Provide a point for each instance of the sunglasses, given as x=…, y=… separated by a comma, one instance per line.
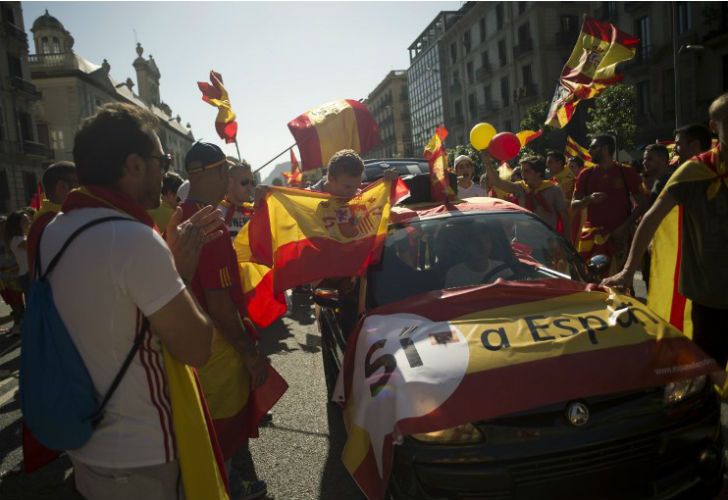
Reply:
x=247, y=182
x=165, y=161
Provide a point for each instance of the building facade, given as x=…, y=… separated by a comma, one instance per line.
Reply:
x=502, y=57
x=23, y=149
x=389, y=104
x=73, y=88
x=702, y=43
x=426, y=80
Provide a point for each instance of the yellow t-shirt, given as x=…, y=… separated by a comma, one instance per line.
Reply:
x=161, y=215
x=566, y=182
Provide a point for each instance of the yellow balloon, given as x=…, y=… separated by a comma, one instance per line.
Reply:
x=481, y=134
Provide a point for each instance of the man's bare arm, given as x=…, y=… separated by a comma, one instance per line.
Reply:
x=497, y=182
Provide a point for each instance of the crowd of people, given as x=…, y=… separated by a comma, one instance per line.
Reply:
x=171, y=261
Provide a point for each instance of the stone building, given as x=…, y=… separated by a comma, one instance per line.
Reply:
x=73, y=88
x=389, y=104
x=23, y=150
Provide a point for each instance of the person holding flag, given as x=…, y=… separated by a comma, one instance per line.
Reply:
x=700, y=188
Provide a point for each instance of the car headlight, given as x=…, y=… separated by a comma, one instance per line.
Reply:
x=462, y=434
x=682, y=390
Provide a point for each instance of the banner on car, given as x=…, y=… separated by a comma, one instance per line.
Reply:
x=443, y=359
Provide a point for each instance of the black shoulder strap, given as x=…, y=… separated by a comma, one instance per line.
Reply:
x=99, y=413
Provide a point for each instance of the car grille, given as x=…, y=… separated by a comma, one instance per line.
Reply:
x=586, y=460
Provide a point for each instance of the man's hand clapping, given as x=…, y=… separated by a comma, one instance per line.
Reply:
x=186, y=239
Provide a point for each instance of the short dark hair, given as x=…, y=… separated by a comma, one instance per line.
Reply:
x=606, y=140
x=556, y=154
x=59, y=171
x=346, y=162
x=536, y=163
x=696, y=132
x=13, y=225
x=106, y=139
x=659, y=150
x=171, y=182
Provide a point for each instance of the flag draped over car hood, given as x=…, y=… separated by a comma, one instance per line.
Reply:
x=442, y=359
x=663, y=295
x=591, y=68
x=304, y=236
x=322, y=131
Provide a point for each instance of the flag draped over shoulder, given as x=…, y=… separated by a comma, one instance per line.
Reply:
x=216, y=95
x=591, y=68
x=304, y=236
x=322, y=131
x=663, y=295
x=437, y=158
x=295, y=177
x=574, y=149
x=442, y=359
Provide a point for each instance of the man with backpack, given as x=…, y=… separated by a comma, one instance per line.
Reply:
x=608, y=193
x=121, y=300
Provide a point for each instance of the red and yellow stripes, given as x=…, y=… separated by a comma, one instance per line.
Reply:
x=574, y=149
x=322, y=131
x=591, y=68
x=436, y=155
x=556, y=340
x=216, y=95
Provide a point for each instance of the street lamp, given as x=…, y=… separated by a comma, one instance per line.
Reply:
x=676, y=53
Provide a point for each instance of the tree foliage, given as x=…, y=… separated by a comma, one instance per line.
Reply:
x=613, y=113
x=534, y=119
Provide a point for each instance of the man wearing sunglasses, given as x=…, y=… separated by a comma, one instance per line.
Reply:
x=236, y=207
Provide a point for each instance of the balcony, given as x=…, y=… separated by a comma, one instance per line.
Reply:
x=37, y=149
x=523, y=48
x=483, y=74
x=525, y=92
x=488, y=108
x=22, y=85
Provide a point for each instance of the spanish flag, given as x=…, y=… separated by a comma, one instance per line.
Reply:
x=663, y=295
x=263, y=305
x=437, y=158
x=295, y=177
x=426, y=365
x=322, y=131
x=526, y=136
x=304, y=236
x=591, y=68
x=574, y=149
x=216, y=95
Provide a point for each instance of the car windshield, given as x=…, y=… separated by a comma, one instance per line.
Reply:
x=469, y=250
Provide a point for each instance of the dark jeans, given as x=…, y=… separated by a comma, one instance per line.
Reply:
x=710, y=332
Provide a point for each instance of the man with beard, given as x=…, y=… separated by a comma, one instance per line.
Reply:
x=608, y=192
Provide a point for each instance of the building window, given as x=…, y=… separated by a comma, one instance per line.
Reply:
x=14, y=66
x=466, y=41
x=473, y=105
x=455, y=77
x=505, y=90
x=643, y=98
x=527, y=75
x=502, y=53
x=524, y=34
x=4, y=191
x=453, y=52
x=483, y=33
x=568, y=24
x=668, y=94
x=44, y=45
x=642, y=29
x=56, y=46
x=484, y=62
x=507, y=125
x=26, y=126
x=458, y=110
x=469, y=69
x=684, y=17
x=499, y=15
x=486, y=95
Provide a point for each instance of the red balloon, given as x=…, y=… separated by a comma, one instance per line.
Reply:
x=504, y=146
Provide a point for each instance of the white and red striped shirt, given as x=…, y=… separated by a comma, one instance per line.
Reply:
x=108, y=277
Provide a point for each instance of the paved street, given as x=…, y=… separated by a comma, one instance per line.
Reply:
x=299, y=455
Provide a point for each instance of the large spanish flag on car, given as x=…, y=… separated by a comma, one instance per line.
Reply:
x=304, y=236
x=449, y=358
x=216, y=95
x=663, y=295
x=591, y=68
x=322, y=131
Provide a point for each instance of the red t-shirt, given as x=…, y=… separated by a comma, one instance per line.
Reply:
x=217, y=267
x=613, y=211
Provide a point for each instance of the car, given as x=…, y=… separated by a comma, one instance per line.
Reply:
x=374, y=168
x=658, y=442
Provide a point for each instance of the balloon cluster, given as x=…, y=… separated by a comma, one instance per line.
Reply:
x=503, y=146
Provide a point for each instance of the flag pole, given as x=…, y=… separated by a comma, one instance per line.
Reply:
x=274, y=158
x=237, y=148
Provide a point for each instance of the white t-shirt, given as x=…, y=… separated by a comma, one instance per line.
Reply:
x=21, y=254
x=462, y=275
x=471, y=192
x=108, y=272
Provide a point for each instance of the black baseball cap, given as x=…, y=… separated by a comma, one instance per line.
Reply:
x=203, y=156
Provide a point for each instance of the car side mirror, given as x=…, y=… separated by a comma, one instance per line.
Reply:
x=326, y=297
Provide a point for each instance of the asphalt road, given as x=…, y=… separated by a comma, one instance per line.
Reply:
x=299, y=455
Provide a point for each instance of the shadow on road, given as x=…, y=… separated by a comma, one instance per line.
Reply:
x=273, y=339
x=336, y=482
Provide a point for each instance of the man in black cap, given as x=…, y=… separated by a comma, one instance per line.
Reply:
x=236, y=366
